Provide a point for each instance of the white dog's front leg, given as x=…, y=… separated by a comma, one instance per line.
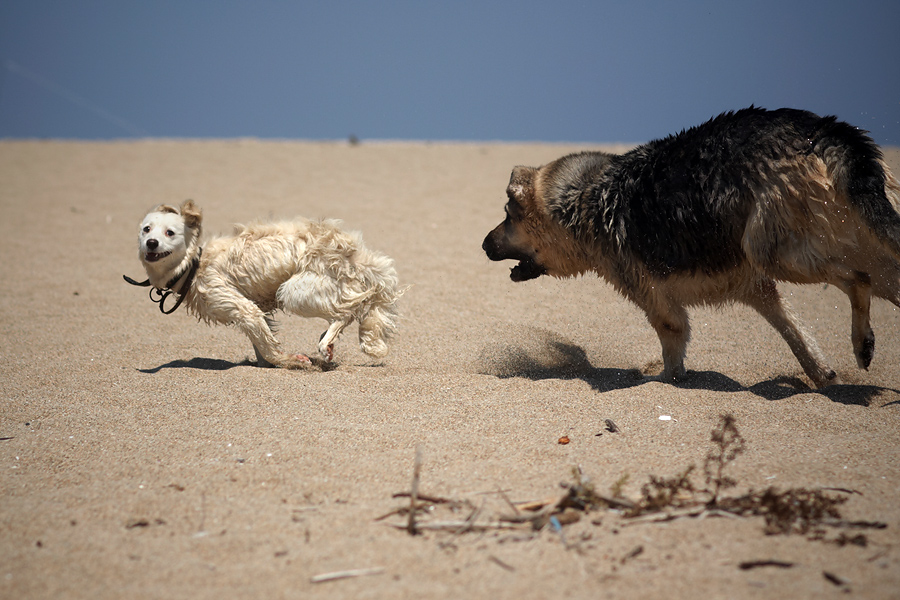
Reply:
x=250, y=319
x=268, y=351
x=261, y=360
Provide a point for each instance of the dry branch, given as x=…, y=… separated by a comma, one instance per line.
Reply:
x=346, y=574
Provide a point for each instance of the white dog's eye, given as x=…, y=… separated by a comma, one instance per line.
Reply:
x=169, y=233
x=146, y=229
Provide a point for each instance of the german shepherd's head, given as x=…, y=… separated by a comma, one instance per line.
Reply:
x=532, y=232
x=515, y=238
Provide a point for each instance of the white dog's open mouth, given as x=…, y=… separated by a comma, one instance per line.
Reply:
x=155, y=256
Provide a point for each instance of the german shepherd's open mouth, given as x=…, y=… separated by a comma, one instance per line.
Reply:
x=497, y=247
x=526, y=269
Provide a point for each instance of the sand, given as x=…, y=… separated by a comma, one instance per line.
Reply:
x=145, y=456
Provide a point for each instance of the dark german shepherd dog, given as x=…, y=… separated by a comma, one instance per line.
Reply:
x=715, y=214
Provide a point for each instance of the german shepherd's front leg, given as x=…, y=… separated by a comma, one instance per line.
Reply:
x=673, y=327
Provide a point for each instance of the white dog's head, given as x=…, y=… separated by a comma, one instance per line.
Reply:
x=169, y=241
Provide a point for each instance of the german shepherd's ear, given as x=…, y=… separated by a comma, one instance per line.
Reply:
x=521, y=183
x=192, y=214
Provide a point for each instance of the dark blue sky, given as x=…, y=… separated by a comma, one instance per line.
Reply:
x=583, y=71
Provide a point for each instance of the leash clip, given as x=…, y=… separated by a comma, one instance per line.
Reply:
x=159, y=296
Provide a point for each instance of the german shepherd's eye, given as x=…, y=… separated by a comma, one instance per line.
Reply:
x=512, y=209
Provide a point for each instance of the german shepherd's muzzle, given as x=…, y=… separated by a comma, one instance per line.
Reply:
x=510, y=240
x=500, y=245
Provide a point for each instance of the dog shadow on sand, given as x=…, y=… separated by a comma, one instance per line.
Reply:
x=539, y=354
x=203, y=364
x=215, y=364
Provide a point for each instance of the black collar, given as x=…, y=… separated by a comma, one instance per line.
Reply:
x=159, y=295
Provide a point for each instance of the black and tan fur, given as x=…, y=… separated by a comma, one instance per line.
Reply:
x=716, y=214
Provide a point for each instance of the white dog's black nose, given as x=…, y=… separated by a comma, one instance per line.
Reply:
x=152, y=244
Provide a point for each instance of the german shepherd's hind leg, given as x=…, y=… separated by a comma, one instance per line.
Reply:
x=859, y=290
x=673, y=327
x=766, y=300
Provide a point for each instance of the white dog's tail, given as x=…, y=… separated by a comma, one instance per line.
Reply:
x=380, y=317
x=352, y=281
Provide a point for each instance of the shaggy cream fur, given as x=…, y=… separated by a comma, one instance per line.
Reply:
x=309, y=268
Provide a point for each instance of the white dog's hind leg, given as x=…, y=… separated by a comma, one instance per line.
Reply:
x=764, y=297
x=326, y=342
x=315, y=296
x=375, y=327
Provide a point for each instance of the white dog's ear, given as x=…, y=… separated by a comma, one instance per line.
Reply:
x=165, y=208
x=192, y=214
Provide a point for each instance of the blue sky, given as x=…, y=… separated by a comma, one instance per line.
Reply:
x=519, y=71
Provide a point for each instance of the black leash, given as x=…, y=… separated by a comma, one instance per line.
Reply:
x=159, y=295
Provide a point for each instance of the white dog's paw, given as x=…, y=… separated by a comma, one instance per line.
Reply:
x=295, y=361
x=326, y=350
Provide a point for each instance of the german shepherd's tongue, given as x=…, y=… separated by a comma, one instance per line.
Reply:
x=525, y=270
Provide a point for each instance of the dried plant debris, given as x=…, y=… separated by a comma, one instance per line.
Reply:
x=793, y=511
x=756, y=564
x=335, y=575
x=838, y=581
x=661, y=493
x=141, y=522
x=727, y=445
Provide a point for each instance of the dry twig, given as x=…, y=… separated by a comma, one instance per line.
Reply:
x=346, y=574
x=414, y=493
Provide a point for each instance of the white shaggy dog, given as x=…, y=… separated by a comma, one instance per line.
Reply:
x=309, y=268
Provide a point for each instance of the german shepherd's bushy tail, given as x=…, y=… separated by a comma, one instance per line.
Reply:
x=857, y=165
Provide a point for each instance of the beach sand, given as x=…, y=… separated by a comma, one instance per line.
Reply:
x=145, y=456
